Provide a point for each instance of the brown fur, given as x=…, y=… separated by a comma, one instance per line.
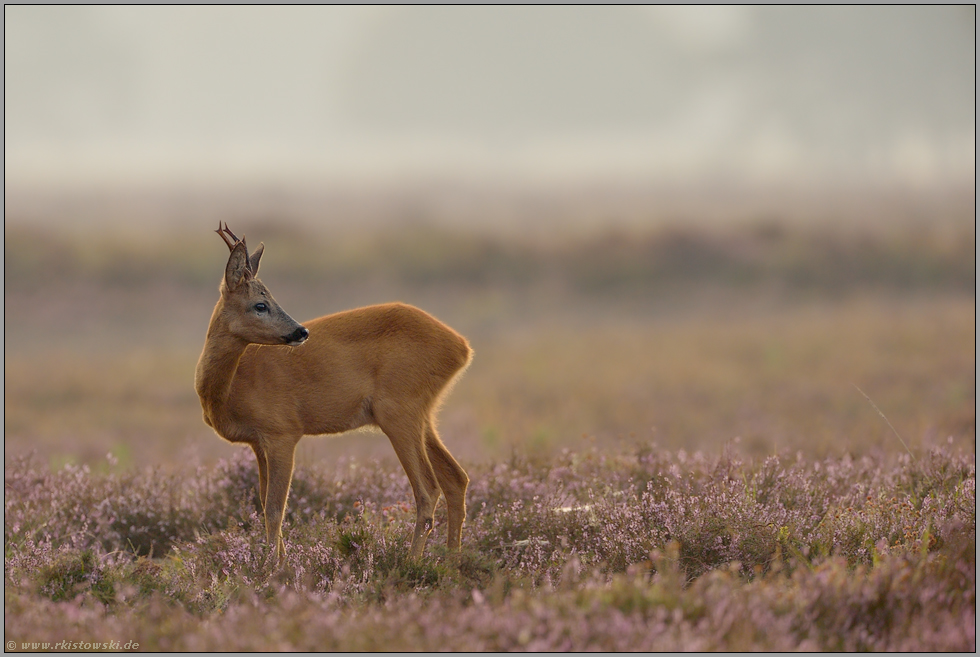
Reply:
x=386, y=365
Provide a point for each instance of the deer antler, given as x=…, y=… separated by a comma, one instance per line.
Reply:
x=225, y=233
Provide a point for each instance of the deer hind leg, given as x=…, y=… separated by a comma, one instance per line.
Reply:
x=263, y=474
x=407, y=436
x=452, y=480
x=281, y=458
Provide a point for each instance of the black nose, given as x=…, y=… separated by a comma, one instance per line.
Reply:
x=299, y=335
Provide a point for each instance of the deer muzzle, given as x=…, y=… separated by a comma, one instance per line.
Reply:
x=297, y=337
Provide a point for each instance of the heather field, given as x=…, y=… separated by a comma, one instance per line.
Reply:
x=759, y=437
x=649, y=550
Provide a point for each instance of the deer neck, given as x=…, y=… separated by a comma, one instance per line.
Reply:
x=217, y=366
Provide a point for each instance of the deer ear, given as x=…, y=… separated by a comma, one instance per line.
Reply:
x=253, y=260
x=237, y=268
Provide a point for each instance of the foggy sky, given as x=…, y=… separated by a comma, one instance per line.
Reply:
x=764, y=94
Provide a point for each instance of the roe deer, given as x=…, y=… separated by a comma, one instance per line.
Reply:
x=386, y=366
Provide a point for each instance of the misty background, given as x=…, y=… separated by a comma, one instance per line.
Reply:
x=669, y=225
x=318, y=98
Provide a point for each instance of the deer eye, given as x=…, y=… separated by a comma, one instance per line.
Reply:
x=261, y=307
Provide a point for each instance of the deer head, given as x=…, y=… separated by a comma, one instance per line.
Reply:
x=248, y=310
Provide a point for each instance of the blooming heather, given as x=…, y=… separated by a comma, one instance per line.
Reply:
x=641, y=551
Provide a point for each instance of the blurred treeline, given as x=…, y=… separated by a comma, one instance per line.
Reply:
x=787, y=257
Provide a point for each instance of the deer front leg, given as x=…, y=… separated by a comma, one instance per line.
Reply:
x=281, y=457
x=263, y=475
